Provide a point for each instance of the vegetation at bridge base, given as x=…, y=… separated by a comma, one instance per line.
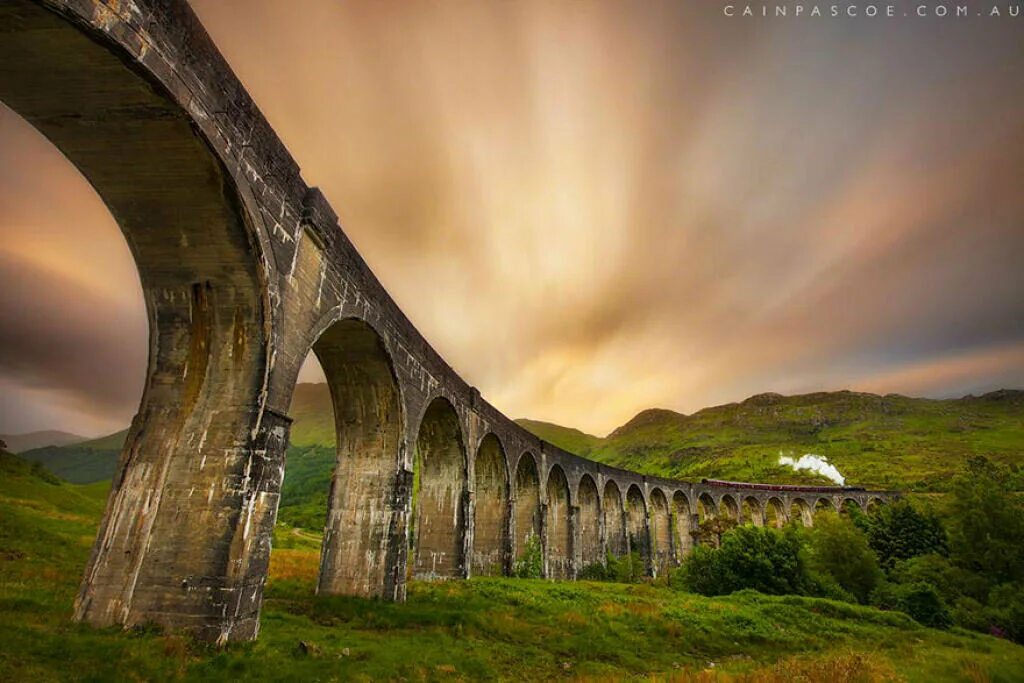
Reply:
x=518, y=629
x=943, y=570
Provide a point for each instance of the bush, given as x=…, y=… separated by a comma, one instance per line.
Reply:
x=839, y=549
x=899, y=531
x=919, y=600
x=530, y=564
x=1006, y=612
x=761, y=558
x=627, y=569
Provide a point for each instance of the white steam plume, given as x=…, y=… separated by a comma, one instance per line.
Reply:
x=814, y=463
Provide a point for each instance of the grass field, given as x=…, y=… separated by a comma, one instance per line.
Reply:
x=503, y=629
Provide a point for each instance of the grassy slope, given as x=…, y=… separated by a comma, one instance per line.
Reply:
x=886, y=442
x=498, y=628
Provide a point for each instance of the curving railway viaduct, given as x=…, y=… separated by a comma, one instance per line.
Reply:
x=244, y=269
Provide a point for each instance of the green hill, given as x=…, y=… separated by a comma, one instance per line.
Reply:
x=875, y=441
x=81, y=463
x=502, y=629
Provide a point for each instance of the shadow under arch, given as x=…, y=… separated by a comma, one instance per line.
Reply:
x=438, y=530
x=490, y=509
x=557, y=526
x=589, y=521
x=358, y=553
x=614, y=520
x=527, y=507
x=206, y=293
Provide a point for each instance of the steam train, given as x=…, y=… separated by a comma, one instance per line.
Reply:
x=780, y=487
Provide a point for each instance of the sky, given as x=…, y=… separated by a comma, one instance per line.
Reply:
x=591, y=208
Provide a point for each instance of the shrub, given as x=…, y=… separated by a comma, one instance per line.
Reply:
x=761, y=558
x=840, y=550
x=530, y=564
x=918, y=600
x=627, y=569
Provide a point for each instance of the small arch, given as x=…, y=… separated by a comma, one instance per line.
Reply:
x=490, y=514
x=527, y=508
x=775, y=513
x=800, y=510
x=850, y=507
x=824, y=505
x=753, y=513
x=873, y=504
x=558, y=536
x=589, y=522
x=729, y=508
x=614, y=521
x=681, y=522
x=706, y=508
x=636, y=524
x=439, y=520
x=368, y=433
x=661, y=531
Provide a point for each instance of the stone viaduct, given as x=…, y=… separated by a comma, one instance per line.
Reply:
x=244, y=269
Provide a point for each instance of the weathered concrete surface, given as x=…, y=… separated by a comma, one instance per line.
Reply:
x=245, y=269
x=660, y=532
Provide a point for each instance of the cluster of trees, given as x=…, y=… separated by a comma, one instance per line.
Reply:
x=962, y=565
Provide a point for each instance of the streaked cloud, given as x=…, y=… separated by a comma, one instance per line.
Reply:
x=594, y=208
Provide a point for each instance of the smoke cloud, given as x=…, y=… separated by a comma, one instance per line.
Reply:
x=815, y=463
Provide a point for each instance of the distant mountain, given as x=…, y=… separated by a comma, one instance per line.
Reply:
x=877, y=441
x=18, y=443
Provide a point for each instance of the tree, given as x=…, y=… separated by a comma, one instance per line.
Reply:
x=919, y=600
x=899, y=531
x=987, y=523
x=838, y=548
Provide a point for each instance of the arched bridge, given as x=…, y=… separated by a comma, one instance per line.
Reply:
x=244, y=269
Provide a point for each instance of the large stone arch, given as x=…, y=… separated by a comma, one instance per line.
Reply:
x=661, y=531
x=613, y=509
x=359, y=552
x=589, y=522
x=491, y=508
x=637, y=529
x=438, y=529
x=557, y=526
x=528, y=506
x=205, y=278
x=682, y=517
